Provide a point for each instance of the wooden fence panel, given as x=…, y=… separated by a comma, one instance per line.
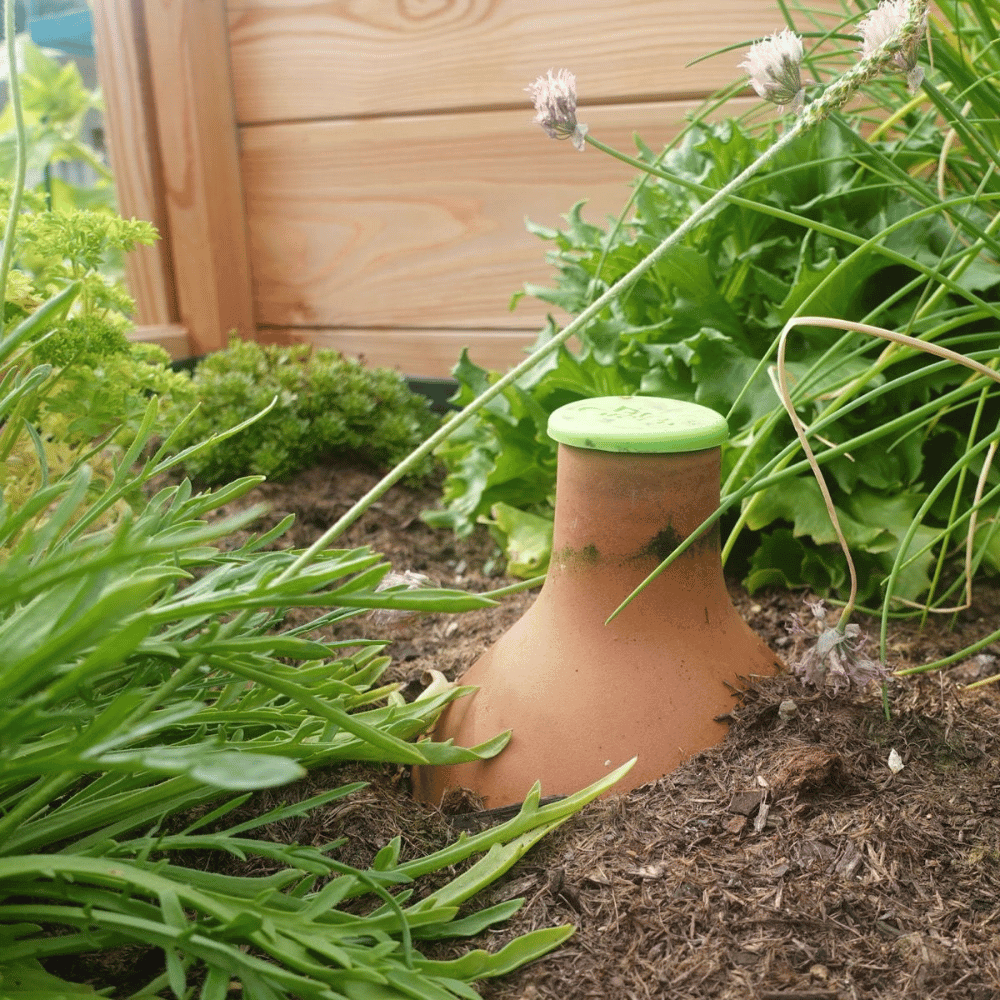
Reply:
x=133, y=148
x=189, y=67
x=346, y=232
x=420, y=351
x=306, y=60
x=358, y=172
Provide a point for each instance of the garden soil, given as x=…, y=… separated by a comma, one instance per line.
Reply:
x=790, y=862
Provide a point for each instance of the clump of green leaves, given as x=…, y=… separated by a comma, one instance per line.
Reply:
x=148, y=673
x=825, y=229
x=323, y=404
x=70, y=234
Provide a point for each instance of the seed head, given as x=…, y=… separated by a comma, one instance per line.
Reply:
x=406, y=580
x=885, y=22
x=555, y=106
x=833, y=659
x=773, y=67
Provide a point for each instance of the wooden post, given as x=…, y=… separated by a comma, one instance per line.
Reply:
x=120, y=42
x=188, y=50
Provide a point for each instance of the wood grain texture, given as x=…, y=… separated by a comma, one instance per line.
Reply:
x=313, y=59
x=189, y=64
x=420, y=353
x=130, y=120
x=172, y=337
x=419, y=221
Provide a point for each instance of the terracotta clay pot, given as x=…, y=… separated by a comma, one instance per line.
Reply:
x=582, y=696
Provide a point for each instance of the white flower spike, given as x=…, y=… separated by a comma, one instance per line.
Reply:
x=881, y=24
x=773, y=66
x=555, y=106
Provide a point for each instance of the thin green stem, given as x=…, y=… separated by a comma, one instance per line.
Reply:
x=953, y=513
x=515, y=588
x=178, y=678
x=20, y=154
x=962, y=654
x=800, y=430
x=44, y=793
x=903, y=558
x=574, y=326
x=767, y=477
x=800, y=433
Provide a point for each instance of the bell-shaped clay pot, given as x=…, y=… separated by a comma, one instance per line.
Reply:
x=582, y=696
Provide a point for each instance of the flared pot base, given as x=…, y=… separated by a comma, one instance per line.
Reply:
x=578, y=709
x=585, y=685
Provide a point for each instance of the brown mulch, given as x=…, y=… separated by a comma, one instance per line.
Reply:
x=788, y=862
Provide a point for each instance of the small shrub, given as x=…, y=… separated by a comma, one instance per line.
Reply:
x=323, y=404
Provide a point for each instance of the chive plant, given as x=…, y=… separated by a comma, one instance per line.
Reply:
x=949, y=512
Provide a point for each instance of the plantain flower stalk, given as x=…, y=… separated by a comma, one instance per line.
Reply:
x=773, y=65
x=884, y=22
x=555, y=106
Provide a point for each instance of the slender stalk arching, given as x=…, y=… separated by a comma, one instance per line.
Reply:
x=20, y=147
x=832, y=98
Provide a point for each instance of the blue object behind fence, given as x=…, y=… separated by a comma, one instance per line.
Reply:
x=71, y=32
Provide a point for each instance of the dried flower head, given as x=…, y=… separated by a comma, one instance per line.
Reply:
x=555, y=105
x=393, y=617
x=837, y=659
x=773, y=66
x=883, y=23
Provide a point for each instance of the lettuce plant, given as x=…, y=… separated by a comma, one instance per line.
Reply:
x=839, y=225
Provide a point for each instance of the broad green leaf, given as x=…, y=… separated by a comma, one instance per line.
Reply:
x=527, y=539
x=483, y=964
x=473, y=924
x=782, y=560
x=445, y=753
x=227, y=769
x=800, y=502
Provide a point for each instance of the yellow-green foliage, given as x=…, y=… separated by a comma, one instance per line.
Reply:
x=32, y=463
x=99, y=384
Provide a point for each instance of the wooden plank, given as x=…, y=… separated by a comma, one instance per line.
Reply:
x=172, y=337
x=310, y=59
x=187, y=42
x=421, y=353
x=130, y=121
x=419, y=222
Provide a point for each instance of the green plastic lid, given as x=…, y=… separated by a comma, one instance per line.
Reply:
x=638, y=424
